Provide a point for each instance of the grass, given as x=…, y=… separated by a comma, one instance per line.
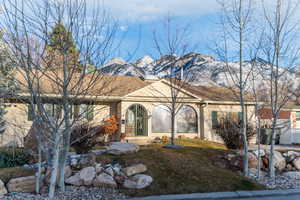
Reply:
x=187, y=170
x=14, y=172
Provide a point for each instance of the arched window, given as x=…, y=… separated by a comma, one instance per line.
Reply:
x=161, y=119
x=136, y=121
x=186, y=120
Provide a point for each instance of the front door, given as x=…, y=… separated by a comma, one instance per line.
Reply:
x=136, y=121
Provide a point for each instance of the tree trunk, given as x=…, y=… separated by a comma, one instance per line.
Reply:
x=271, y=163
x=172, y=127
x=54, y=173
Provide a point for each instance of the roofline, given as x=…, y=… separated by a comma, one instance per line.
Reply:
x=189, y=93
x=229, y=102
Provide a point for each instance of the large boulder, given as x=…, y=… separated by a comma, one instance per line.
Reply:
x=118, y=148
x=135, y=169
x=22, y=184
x=87, y=175
x=104, y=180
x=138, y=181
x=252, y=160
x=86, y=161
x=74, y=180
x=279, y=160
x=3, y=190
x=296, y=163
x=260, y=153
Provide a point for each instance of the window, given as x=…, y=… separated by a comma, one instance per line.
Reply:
x=298, y=116
x=30, y=113
x=214, y=119
x=186, y=120
x=216, y=116
x=161, y=119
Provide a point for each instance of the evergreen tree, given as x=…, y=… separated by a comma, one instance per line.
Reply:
x=62, y=40
x=61, y=43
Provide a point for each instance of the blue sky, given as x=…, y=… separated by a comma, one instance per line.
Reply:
x=143, y=16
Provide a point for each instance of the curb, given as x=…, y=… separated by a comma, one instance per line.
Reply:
x=222, y=195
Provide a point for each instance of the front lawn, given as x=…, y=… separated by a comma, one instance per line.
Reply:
x=187, y=170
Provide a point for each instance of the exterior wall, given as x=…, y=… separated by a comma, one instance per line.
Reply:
x=18, y=124
x=208, y=132
x=149, y=106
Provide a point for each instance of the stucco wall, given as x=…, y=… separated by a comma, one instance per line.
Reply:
x=208, y=133
x=18, y=124
x=149, y=106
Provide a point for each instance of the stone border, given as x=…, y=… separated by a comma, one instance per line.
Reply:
x=223, y=195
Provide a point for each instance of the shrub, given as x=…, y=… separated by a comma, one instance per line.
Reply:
x=85, y=137
x=13, y=157
x=229, y=130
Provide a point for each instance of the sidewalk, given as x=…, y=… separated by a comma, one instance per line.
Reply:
x=224, y=195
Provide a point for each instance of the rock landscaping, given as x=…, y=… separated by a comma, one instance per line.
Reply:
x=83, y=171
x=287, y=167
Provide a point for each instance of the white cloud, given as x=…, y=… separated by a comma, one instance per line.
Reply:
x=147, y=10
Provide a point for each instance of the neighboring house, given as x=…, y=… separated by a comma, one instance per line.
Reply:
x=288, y=123
x=141, y=107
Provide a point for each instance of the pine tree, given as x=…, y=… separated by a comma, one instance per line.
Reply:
x=61, y=43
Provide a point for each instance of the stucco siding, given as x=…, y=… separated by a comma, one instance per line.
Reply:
x=208, y=132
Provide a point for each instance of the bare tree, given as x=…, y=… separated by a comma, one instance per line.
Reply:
x=171, y=42
x=279, y=49
x=235, y=23
x=54, y=43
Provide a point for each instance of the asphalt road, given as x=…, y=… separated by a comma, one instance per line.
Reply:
x=289, y=197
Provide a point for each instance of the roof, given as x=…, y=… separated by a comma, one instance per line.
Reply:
x=266, y=113
x=50, y=82
x=216, y=93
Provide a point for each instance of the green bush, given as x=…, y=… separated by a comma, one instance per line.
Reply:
x=13, y=157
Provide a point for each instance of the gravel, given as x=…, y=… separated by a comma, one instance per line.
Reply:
x=280, y=183
x=73, y=193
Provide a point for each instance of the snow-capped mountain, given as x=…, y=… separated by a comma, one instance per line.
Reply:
x=205, y=70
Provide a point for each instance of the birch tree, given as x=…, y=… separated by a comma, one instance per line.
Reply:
x=281, y=50
x=171, y=42
x=235, y=29
x=44, y=56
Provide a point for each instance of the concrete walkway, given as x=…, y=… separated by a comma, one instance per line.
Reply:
x=292, y=194
x=277, y=147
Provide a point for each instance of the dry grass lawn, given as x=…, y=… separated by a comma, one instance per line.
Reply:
x=187, y=170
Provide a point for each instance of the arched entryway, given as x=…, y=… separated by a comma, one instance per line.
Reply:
x=136, y=121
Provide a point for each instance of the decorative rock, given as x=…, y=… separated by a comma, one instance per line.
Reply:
x=260, y=153
x=104, y=180
x=3, y=190
x=253, y=172
x=98, y=168
x=295, y=153
x=86, y=161
x=138, y=181
x=118, y=148
x=292, y=175
x=252, y=160
x=109, y=171
x=74, y=180
x=279, y=160
x=22, y=184
x=87, y=175
x=135, y=169
x=68, y=171
x=296, y=163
